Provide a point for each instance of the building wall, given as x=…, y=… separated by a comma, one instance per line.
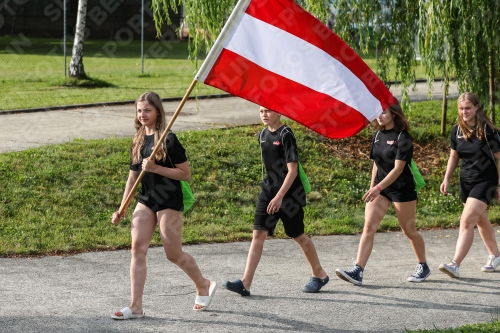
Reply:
x=106, y=19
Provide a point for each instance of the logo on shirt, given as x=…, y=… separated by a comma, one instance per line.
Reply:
x=277, y=143
x=391, y=142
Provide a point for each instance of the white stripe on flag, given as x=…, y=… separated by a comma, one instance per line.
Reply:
x=295, y=59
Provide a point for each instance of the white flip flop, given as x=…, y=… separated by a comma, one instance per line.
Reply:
x=205, y=300
x=127, y=314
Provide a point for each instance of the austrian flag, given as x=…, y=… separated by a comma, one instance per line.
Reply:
x=275, y=54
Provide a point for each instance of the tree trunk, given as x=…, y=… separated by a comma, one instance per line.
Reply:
x=492, y=85
x=75, y=68
x=444, y=108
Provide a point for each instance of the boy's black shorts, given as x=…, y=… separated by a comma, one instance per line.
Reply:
x=483, y=191
x=290, y=213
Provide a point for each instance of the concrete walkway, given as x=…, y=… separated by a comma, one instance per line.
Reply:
x=78, y=293
x=22, y=130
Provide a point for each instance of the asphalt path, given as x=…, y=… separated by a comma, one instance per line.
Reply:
x=78, y=293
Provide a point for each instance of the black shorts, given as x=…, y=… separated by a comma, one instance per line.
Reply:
x=290, y=213
x=402, y=195
x=484, y=191
x=155, y=207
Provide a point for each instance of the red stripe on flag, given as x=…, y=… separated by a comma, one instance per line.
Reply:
x=290, y=17
x=317, y=111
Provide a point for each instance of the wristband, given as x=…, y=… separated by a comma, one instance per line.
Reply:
x=380, y=190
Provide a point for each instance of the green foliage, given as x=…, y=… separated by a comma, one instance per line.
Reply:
x=458, y=38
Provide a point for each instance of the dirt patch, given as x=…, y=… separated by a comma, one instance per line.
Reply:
x=429, y=156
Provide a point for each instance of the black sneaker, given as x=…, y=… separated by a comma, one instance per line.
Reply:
x=353, y=274
x=422, y=271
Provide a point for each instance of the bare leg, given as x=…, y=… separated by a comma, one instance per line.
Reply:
x=374, y=213
x=254, y=255
x=170, y=222
x=487, y=234
x=309, y=250
x=406, y=213
x=142, y=229
x=473, y=209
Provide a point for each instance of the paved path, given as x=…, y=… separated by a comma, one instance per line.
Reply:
x=78, y=293
x=19, y=131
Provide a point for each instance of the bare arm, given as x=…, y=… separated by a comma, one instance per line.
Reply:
x=132, y=178
x=450, y=168
x=180, y=172
x=275, y=203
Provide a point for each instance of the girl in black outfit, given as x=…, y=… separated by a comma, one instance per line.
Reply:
x=392, y=182
x=160, y=203
x=475, y=140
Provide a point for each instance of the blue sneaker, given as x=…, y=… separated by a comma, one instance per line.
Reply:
x=422, y=271
x=315, y=284
x=353, y=274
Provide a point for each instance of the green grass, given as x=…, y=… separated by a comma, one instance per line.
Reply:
x=492, y=327
x=59, y=198
x=32, y=72
x=35, y=78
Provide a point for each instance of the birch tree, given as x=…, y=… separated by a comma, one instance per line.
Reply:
x=75, y=68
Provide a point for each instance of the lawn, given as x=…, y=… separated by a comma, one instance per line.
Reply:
x=32, y=72
x=59, y=198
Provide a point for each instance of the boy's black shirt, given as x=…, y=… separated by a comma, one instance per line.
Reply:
x=385, y=150
x=279, y=148
x=477, y=164
x=155, y=187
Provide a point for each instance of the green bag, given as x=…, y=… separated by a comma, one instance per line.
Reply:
x=304, y=179
x=417, y=176
x=187, y=195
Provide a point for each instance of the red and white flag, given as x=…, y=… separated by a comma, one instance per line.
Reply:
x=275, y=54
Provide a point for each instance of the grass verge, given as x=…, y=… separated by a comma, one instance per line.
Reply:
x=59, y=198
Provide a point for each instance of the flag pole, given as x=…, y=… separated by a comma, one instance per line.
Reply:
x=125, y=204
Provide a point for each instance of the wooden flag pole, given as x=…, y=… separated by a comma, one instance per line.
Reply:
x=125, y=204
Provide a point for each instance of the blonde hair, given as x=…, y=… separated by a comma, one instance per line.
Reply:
x=400, y=121
x=481, y=118
x=138, y=141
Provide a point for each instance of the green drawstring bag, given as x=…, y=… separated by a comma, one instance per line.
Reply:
x=417, y=176
x=304, y=179
x=187, y=195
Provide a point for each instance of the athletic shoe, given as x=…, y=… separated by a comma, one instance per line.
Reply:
x=492, y=263
x=451, y=269
x=353, y=274
x=422, y=271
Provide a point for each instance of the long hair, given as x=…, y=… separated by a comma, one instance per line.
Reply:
x=480, y=119
x=400, y=121
x=155, y=101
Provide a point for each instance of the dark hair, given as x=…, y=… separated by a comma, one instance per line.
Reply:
x=400, y=121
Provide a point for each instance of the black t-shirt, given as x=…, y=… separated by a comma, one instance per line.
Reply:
x=477, y=164
x=389, y=146
x=155, y=188
x=278, y=149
